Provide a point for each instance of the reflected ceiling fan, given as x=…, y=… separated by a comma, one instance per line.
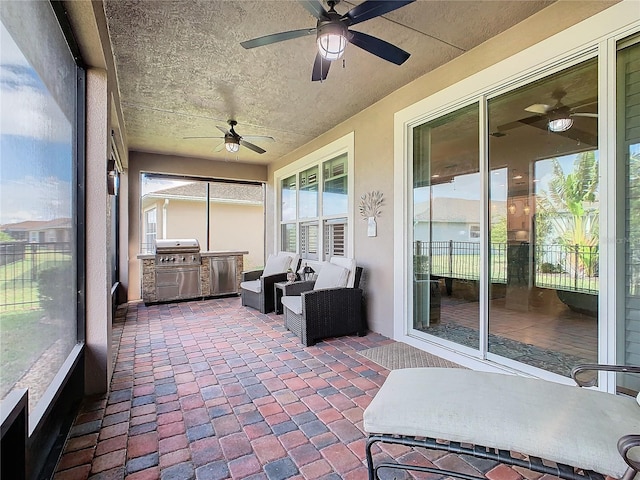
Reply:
x=560, y=116
x=333, y=34
x=233, y=140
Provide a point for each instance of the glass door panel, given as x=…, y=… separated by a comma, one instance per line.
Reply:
x=628, y=104
x=544, y=217
x=446, y=227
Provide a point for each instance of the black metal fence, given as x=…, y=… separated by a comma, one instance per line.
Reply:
x=21, y=265
x=561, y=267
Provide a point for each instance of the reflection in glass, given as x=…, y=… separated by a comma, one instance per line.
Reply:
x=629, y=153
x=335, y=199
x=288, y=199
x=38, y=261
x=289, y=240
x=544, y=215
x=446, y=219
x=309, y=193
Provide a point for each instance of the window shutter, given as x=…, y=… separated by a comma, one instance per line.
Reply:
x=335, y=238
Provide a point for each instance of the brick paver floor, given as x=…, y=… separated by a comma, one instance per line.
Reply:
x=213, y=390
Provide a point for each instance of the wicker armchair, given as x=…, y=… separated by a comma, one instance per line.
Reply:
x=328, y=312
x=256, y=289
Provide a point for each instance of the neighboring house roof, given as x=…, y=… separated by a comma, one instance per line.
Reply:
x=453, y=210
x=219, y=191
x=33, y=225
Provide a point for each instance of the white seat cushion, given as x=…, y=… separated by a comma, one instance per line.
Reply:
x=293, y=303
x=562, y=423
x=252, y=285
x=331, y=276
x=276, y=264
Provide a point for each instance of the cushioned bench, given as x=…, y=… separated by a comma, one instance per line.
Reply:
x=489, y=415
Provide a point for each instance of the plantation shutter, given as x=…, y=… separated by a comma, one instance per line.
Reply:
x=335, y=238
x=309, y=241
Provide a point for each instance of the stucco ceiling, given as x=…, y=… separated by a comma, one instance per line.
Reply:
x=182, y=71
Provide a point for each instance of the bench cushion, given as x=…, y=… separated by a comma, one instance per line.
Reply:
x=562, y=423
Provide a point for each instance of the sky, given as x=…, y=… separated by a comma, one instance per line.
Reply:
x=35, y=143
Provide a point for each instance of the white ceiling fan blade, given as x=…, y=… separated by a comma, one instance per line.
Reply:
x=590, y=115
x=540, y=108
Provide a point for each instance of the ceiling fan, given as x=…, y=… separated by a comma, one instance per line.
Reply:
x=233, y=140
x=560, y=116
x=333, y=34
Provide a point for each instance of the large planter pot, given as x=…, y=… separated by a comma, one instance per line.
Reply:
x=585, y=303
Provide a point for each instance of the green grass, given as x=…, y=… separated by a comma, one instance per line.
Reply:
x=23, y=340
x=19, y=280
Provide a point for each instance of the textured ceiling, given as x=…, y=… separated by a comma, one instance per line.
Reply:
x=182, y=71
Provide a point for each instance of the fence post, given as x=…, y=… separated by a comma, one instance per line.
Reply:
x=575, y=268
x=451, y=258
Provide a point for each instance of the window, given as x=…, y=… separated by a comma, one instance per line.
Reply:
x=150, y=230
x=335, y=238
x=314, y=203
x=474, y=232
x=221, y=215
x=41, y=95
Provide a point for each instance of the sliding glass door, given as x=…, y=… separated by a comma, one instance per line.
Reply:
x=536, y=259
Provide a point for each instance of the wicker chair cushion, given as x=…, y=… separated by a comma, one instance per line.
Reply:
x=254, y=286
x=293, y=303
x=276, y=264
x=331, y=276
x=349, y=264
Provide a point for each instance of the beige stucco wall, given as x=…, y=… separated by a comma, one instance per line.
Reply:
x=373, y=130
x=154, y=163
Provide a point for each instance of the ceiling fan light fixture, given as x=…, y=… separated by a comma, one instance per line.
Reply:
x=332, y=40
x=231, y=145
x=561, y=122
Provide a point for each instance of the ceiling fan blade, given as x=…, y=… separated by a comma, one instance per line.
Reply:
x=251, y=146
x=219, y=147
x=540, y=108
x=590, y=115
x=320, y=68
x=277, y=37
x=201, y=137
x=380, y=48
x=263, y=138
x=315, y=8
x=223, y=130
x=371, y=9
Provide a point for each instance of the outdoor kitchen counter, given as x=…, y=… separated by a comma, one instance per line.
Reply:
x=220, y=274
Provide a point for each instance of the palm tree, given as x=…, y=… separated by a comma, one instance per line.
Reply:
x=569, y=208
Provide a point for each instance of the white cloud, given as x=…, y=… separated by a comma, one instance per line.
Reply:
x=26, y=109
x=32, y=198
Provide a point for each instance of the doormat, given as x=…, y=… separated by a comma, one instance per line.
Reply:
x=400, y=355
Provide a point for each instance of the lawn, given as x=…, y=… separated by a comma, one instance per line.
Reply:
x=23, y=340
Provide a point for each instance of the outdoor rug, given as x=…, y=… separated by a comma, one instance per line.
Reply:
x=400, y=355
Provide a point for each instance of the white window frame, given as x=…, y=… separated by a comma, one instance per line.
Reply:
x=330, y=151
x=595, y=36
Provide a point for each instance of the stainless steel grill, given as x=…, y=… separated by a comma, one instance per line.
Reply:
x=178, y=251
x=177, y=269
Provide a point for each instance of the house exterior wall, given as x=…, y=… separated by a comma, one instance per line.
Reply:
x=149, y=162
x=374, y=145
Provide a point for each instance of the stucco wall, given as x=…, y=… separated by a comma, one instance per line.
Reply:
x=373, y=129
x=150, y=162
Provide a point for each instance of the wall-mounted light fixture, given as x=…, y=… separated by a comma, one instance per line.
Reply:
x=512, y=209
x=112, y=177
